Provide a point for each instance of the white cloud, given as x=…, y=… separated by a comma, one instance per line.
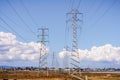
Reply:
x=101, y=53
x=64, y=53
x=12, y=49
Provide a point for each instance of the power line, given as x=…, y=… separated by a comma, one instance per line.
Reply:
x=72, y=6
x=68, y=7
x=8, y=18
x=79, y=4
x=105, y=12
x=96, y=10
x=28, y=12
x=11, y=28
x=91, y=6
x=66, y=33
x=20, y=17
x=4, y=28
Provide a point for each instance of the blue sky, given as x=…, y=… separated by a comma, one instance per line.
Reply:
x=100, y=21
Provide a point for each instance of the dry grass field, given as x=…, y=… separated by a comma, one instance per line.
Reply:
x=102, y=76
x=34, y=75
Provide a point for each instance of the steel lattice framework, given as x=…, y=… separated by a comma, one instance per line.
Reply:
x=74, y=20
x=43, y=63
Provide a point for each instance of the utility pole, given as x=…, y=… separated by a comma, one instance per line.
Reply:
x=43, y=63
x=75, y=28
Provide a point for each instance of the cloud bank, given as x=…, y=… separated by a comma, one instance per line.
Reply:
x=14, y=50
x=102, y=53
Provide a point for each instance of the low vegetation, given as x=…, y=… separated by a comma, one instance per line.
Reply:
x=54, y=75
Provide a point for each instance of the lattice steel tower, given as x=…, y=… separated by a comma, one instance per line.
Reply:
x=75, y=29
x=43, y=63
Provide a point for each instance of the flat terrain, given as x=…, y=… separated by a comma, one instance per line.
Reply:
x=34, y=75
x=102, y=76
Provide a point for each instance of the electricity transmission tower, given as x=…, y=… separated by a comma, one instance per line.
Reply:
x=74, y=19
x=43, y=64
x=54, y=62
x=66, y=58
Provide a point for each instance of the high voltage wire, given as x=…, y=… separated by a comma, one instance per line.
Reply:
x=66, y=34
x=72, y=4
x=11, y=21
x=20, y=17
x=8, y=18
x=66, y=27
x=4, y=28
x=79, y=4
x=105, y=12
x=96, y=11
x=91, y=6
x=68, y=6
x=21, y=1
x=11, y=28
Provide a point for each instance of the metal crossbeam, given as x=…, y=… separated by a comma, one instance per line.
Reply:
x=75, y=64
x=43, y=54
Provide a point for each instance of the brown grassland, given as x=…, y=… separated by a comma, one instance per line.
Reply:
x=34, y=75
